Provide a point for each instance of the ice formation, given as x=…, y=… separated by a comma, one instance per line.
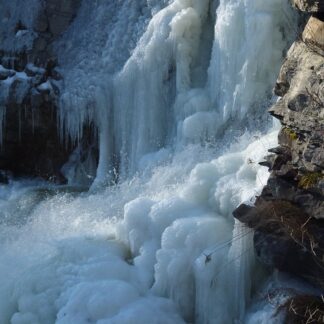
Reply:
x=177, y=90
x=160, y=75
x=138, y=248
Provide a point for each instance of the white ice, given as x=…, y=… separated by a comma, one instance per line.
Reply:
x=138, y=248
x=177, y=90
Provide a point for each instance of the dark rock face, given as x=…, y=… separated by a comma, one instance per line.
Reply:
x=29, y=90
x=286, y=237
x=288, y=217
x=57, y=15
x=31, y=145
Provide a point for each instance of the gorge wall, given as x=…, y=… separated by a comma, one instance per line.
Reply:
x=288, y=217
x=29, y=88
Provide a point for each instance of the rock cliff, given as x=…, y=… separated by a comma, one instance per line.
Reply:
x=288, y=217
x=29, y=87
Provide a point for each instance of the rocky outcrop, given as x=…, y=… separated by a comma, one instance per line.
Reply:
x=31, y=145
x=301, y=112
x=29, y=89
x=309, y=5
x=288, y=217
x=313, y=35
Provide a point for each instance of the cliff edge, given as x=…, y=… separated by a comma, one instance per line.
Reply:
x=288, y=217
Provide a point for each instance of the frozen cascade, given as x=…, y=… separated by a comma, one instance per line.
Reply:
x=61, y=262
x=233, y=276
x=2, y=119
x=161, y=95
x=241, y=70
x=169, y=85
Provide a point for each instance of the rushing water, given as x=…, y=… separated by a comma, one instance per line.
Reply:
x=178, y=91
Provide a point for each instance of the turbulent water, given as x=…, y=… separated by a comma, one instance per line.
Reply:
x=178, y=91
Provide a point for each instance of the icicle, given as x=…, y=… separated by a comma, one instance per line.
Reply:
x=223, y=279
x=241, y=70
x=241, y=260
x=2, y=123
x=104, y=171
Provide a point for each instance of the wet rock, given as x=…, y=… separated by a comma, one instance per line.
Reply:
x=56, y=75
x=4, y=177
x=5, y=73
x=31, y=70
x=41, y=23
x=40, y=44
x=45, y=88
x=36, y=99
x=60, y=13
x=29, y=90
x=31, y=144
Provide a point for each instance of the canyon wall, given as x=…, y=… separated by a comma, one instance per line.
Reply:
x=29, y=87
x=288, y=217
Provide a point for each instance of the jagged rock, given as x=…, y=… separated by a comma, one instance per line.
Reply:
x=309, y=5
x=31, y=145
x=301, y=109
x=279, y=150
x=269, y=161
x=318, y=158
x=286, y=238
x=5, y=73
x=56, y=75
x=31, y=70
x=313, y=34
x=288, y=217
x=45, y=88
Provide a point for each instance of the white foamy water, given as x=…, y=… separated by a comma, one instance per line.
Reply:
x=177, y=90
x=135, y=252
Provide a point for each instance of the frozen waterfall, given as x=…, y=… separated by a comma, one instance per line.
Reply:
x=194, y=73
x=178, y=92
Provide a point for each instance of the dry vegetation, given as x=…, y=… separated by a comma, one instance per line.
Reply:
x=303, y=309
